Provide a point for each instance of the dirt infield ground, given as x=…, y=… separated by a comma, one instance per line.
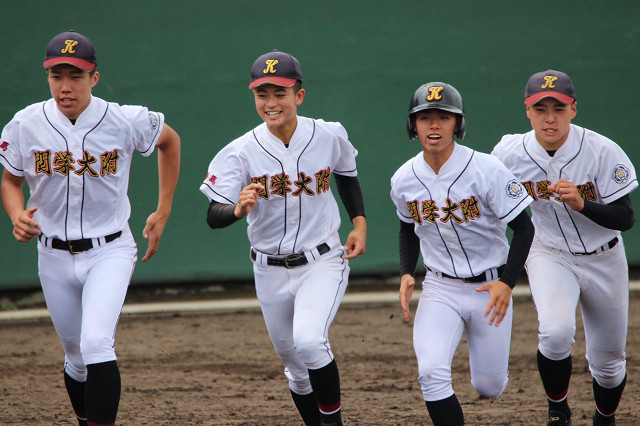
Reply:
x=218, y=368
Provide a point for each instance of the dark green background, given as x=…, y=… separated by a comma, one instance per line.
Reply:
x=361, y=61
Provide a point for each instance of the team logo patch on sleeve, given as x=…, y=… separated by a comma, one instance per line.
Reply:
x=153, y=120
x=620, y=174
x=514, y=189
x=4, y=145
x=211, y=178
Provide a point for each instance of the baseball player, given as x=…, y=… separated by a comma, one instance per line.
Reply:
x=454, y=206
x=580, y=182
x=278, y=176
x=74, y=151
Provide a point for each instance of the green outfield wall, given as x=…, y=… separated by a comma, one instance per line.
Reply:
x=361, y=61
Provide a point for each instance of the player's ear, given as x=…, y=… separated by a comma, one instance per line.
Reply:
x=299, y=97
x=94, y=79
x=574, y=110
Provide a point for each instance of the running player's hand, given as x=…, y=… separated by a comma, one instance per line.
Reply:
x=24, y=227
x=357, y=239
x=407, y=283
x=499, y=302
x=248, y=199
x=153, y=231
x=568, y=193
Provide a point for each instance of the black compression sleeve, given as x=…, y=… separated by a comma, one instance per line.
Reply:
x=523, y=232
x=221, y=215
x=616, y=215
x=350, y=194
x=409, y=248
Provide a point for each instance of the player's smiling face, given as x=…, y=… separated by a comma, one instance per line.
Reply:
x=551, y=121
x=435, y=129
x=71, y=88
x=278, y=107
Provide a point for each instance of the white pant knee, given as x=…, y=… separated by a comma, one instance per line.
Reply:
x=556, y=342
x=298, y=384
x=96, y=349
x=435, y=381
x=74, y=365
x=607, y=368
x=489, y=385
x=315, y=351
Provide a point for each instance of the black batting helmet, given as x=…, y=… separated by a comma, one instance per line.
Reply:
x=436, y=95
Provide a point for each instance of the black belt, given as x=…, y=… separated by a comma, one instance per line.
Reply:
x=78, y=246
x=611, y=244
x=485, y=276
x=292, y=260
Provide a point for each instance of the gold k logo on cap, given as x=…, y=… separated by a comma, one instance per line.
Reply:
x=548, y=82
x=434, y=93
x=271, y=64
x=70, y=44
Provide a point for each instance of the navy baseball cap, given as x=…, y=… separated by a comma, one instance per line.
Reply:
x=71, y=48
x=277, y=68
x=549, y=83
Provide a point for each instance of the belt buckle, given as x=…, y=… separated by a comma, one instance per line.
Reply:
x=292, y=258
x=71, y=250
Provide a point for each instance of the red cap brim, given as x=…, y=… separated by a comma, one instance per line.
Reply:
x=76, y=62
x=278, y=81
x=559, y=96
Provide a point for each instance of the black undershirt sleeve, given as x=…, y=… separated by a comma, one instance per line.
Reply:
x=616, y=215
x=523, y=232
x=350, y=193
x=221, y=215
x=409, y=249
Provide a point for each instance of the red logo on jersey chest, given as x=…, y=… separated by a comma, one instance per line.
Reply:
x=4, y=145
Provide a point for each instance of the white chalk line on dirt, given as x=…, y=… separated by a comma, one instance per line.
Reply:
x=245, y=303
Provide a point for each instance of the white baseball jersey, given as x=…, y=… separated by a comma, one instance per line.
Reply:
x=296, y=180
x=596, y=165
x=78, y=173
x=461, y=213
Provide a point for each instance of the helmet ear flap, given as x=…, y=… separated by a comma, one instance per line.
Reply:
x=462, y=128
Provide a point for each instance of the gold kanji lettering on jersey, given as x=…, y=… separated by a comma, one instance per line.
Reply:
x=280, y=184
x=529, y=187
x=449, y=212
x=63, y=162
x=262, y=180
x=323, y=180
x=429, y=211
x=85, y=165
x=542, y=189
x=469, y=208
x=587, y=191
x=301, y=183
x=109, y=162
x=43, y=162
x=412, y=206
